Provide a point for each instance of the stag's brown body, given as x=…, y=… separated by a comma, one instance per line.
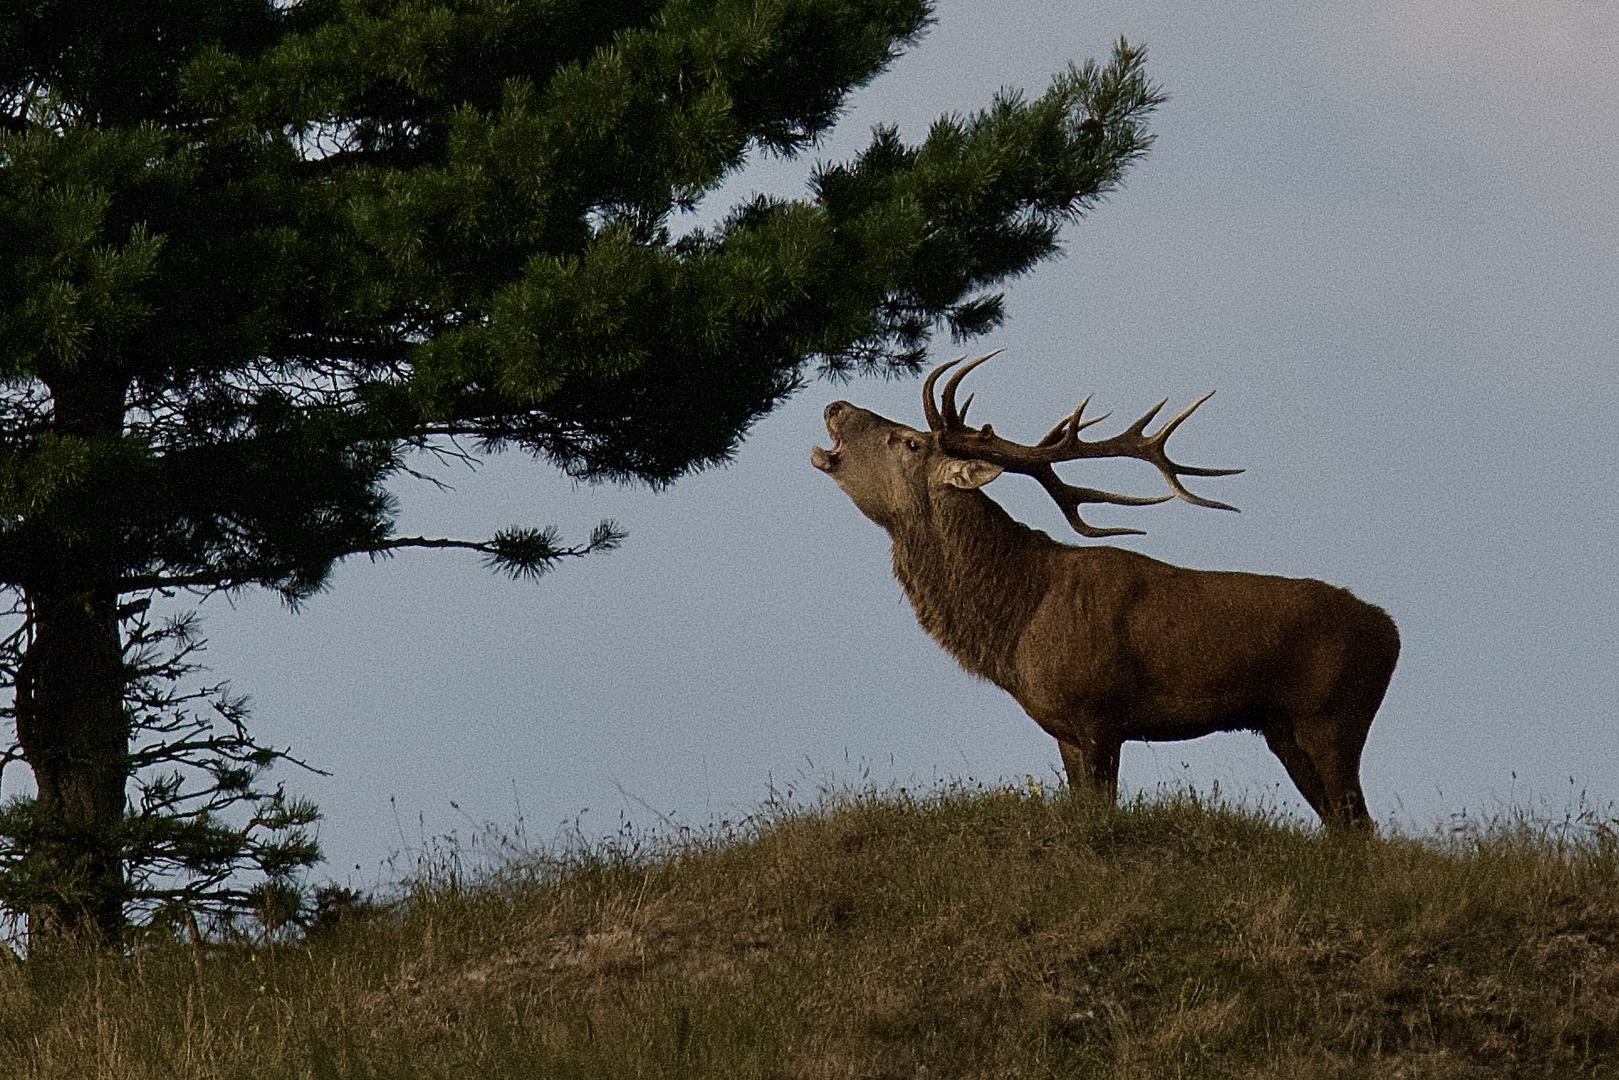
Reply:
x=1101, y=645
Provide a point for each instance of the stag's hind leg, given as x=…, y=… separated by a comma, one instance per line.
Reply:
x=1092, y=763
x=1300, y=767
x=1332, y=727
x=1333, y=744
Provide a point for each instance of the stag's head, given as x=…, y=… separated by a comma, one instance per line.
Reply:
x=895, y=473
x=892, y=472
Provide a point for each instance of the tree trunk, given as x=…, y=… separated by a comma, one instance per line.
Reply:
x=71, y=722
x=74, y=732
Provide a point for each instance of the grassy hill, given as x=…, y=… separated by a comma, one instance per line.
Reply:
x=965, y=934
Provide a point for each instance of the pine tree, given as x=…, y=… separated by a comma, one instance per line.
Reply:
x=255, y=253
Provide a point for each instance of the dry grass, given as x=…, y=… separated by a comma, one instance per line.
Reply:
x=970, y=934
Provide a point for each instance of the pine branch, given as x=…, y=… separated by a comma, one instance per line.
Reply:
x=518, y=552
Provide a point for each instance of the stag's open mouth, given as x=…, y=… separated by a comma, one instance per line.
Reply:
x=827, y=460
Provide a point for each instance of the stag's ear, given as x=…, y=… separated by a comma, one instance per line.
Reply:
x=966, y=472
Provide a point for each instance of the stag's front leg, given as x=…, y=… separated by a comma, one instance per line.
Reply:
x=1092, y=763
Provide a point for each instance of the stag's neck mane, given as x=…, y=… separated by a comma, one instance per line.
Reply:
x=974, y=576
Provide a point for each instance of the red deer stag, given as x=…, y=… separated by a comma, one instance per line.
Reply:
x=1098, y=644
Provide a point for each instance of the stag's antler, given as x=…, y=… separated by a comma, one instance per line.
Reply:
x=1062, y=443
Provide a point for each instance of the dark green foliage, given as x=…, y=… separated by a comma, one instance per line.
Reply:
x=255, y=254
x=340, y=229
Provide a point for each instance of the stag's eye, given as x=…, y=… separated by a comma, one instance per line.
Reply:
x=913, y=445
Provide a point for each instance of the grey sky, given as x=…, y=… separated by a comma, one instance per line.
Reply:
x=1387, y=234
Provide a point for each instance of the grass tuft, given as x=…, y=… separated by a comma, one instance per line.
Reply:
x=964, y=933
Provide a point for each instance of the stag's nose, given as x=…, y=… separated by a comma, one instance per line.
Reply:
x=835, y=408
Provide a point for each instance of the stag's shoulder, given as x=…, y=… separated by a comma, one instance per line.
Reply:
x=1116, y=561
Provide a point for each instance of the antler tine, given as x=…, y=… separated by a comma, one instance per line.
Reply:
x=1164, y=432
x=929, y=409
x=1173, y=470
x=947, y=403
x=1071, y=424
x=1093, y=420
x=1140, y=426
x=1196, y=500
x=1069, y=498
x=965, y=405
x=1175, y=421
